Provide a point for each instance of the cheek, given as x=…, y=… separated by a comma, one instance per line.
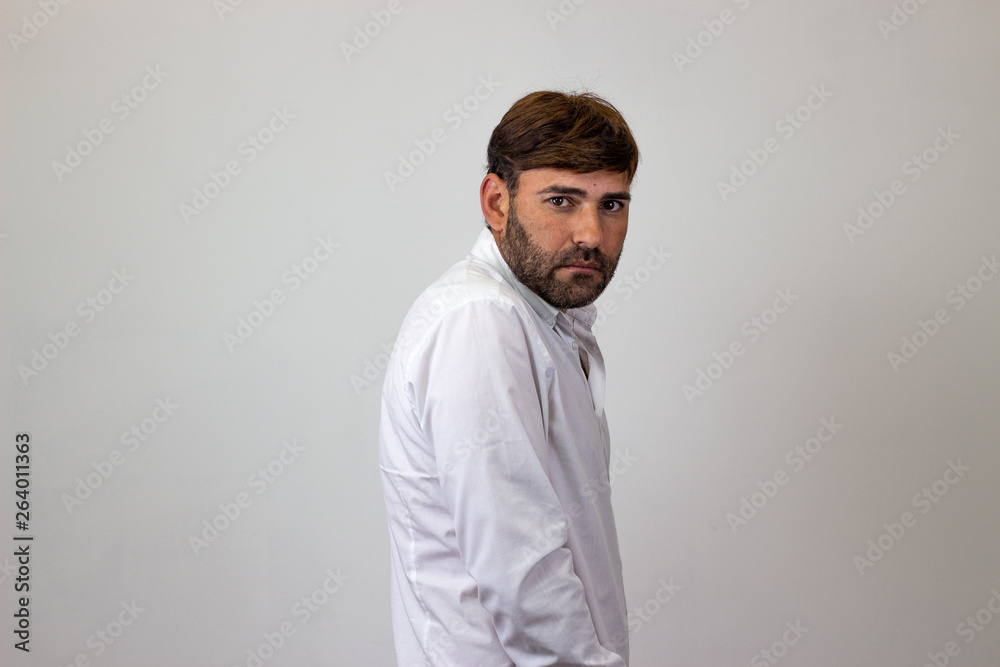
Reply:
x=551, y=234
x=614, y=239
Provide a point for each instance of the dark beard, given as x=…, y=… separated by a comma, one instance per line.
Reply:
x=538, y=271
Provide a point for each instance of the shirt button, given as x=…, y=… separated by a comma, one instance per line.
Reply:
x=573, y=345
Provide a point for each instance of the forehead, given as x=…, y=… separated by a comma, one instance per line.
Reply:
x=594, y=183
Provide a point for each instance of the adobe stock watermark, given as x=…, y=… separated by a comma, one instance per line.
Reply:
x=797, y=458
x=621, y=461
x=32, y=23
x=264, y=309
x=926, y=330
x=899, y=17
x=471, y=444
x=439, y=647
x=223, y=7
x=643, y=613
x=302, y=611
x=259, y=481
x=968, y=630
x=381, y=18
x=628, y=284
x=779, y=648
x=752, y=330
x=713, y=28
x=591, y=491
x=45, y=355
x=122, y=107
x=248, y=149
x=137, y=436
x=373, y=368
x=786, y=126
x=563, y=11
x=915, y=167
x=924, y=500
x=105, y=637
x=454, y=116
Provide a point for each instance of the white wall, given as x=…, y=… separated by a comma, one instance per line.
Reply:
x=685, y=461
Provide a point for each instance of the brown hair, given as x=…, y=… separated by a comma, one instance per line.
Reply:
x=580, y=132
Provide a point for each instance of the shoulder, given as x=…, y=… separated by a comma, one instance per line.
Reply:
x=471, y=299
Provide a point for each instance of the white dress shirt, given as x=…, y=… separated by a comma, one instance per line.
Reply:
x=494, y=453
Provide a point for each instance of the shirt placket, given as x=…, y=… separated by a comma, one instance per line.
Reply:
x=564, y=330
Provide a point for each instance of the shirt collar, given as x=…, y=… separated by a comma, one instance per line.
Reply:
x=486, y=249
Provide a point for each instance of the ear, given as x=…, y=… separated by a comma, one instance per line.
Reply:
x=495, y=202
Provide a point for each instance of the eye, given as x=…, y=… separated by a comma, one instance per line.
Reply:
x=560, y=202
x=613, y=205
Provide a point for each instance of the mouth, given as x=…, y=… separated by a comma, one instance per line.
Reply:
x=581, y=267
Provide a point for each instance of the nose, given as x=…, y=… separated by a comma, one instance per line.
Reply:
x=587, y=227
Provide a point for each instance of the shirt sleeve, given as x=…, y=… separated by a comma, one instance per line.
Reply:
x=480, y=403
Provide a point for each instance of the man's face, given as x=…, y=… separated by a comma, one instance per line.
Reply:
x=564, y=233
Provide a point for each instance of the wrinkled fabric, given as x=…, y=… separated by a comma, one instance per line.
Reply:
x=493, y=454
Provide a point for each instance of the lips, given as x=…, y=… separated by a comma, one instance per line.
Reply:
x=582, y=265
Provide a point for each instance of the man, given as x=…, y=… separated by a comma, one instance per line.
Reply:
x=494, y=446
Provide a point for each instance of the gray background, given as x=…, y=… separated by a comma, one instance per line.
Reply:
x=311, y=372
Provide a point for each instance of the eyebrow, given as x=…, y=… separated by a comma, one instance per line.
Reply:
x=580, y=192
